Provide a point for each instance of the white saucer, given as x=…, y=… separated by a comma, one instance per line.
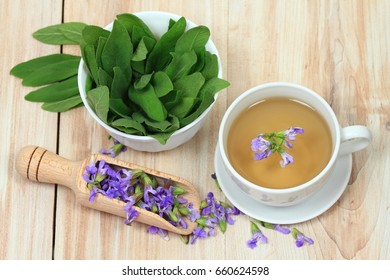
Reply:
x=304, y=211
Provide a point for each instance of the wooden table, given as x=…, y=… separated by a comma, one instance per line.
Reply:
x=338, y=48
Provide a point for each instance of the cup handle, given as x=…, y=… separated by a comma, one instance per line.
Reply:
x=354, y=138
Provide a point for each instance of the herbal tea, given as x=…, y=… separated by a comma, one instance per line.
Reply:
x=311, y=151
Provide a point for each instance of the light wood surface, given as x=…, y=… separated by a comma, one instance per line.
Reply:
x=340, y=49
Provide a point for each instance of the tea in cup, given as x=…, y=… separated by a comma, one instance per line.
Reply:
x=280, y=108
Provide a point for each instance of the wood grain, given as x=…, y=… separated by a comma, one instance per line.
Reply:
x=340, y=49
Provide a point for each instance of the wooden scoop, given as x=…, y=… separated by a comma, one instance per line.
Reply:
x=40, y=165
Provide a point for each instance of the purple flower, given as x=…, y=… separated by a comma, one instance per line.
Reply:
x=114, y=150
x=155, y=230
x=262, y=147
x=292, y=132
x=256, y=237
x=194, y=214
x=282, y=229
x=286, y=159
x=92, y=194
x=198, y=233
x=262, y=155
x=131, y=213
x=260, y=144
x=300, y=238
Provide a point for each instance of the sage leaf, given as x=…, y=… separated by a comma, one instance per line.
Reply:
x=98, y=99
x=193, y=39
x=210, y=69
x=104, y=78
x=91, y=34
x=130, y=20
x=190, y=85
x=162, y=84
x=22, y=70
x=101, y=43
x=146, y=98
x=53, y=72
x=144, y=47
x=90, y=60
x=63, y=105
x=120, y=84
x=128, y=125
x=69, y=33
x=180, y=65
x=206, y=93
x=117, y=50
x=183, y=107
x=159, y=56
x=143, y=81
x=119, y=108
x=55, y=92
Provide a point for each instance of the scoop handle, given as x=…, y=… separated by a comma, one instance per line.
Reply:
x=41, y=165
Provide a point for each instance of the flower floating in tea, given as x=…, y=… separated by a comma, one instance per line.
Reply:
x=265, y=144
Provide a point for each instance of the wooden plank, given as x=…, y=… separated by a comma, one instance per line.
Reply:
x=82, y=233
x=339, y=49
x=26, y=208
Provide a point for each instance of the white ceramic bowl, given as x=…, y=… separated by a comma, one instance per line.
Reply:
x=158, y=24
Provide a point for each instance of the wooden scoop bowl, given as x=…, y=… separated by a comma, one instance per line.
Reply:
x=38, y=164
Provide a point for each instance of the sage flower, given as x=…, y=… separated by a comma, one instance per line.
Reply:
x=198, y=233
x=115, y=150
x=265, y=144
x=257, y=236
x=300, y=238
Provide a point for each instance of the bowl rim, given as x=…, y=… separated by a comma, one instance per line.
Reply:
x=82, y=75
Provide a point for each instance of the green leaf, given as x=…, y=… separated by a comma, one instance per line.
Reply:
x=130, y=20
x=55, y=92
x=162, y=84
x=120, y=84
x=190, y=85
x=193, y=39
x=100, y=46
x=90, y=60
x=146, y=98
x=69, y=33
x=104, y=78
x=210, y=69
x=222, y=225
x=183, y=107
x=117, y=50
x=206, y=94
x=159, y=57
x=98, y=99
x=143, y=81
x=53, y=72
x=119, y=107
x=128, y=125
x=22, y=70
x=63, y=105
x=91, y=34
x=180, y=65
x=144, y=47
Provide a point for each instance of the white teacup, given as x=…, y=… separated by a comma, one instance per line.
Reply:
x=344, y=141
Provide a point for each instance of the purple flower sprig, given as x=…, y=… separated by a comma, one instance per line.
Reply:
x=115, y=150
x=137, y=188
x=257, y=235
x=265, y=144
x=300, y=238
x=213, y=215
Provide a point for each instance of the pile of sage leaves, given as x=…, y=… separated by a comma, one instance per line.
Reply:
x=138, y=84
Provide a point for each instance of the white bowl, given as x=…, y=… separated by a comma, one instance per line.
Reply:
x=158, y=24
